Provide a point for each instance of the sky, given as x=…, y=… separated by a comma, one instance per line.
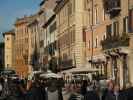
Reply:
x=12, y=9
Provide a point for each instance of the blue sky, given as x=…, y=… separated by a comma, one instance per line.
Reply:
x=12, y=9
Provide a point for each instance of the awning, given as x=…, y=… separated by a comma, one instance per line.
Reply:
x=49, y=74
x=80, y=70
x=98, y=58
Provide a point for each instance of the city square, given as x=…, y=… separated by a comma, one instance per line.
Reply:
x=68, y=50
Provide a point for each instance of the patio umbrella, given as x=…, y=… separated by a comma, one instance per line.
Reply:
x=49, y=74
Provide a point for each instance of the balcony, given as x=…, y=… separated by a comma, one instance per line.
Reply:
x=112, y=7
x=114, y=11
x=67, y=64
x=115, y=41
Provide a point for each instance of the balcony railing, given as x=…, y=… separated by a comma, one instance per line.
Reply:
x=67, y=64
x=112, y=7
x=115, y=41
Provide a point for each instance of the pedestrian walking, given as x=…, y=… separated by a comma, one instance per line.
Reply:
x=117, y=92
x=127, y=94
x=1, y=85
x=91, y=93
x=109, y=95
x=35, y=92
x=54, y=90
x=84, y=87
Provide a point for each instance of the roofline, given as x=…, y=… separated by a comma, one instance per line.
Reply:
x=42, y=2
x=60, y=4
x=33, y=22
x=11, y=32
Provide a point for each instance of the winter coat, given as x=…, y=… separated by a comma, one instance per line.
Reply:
x=91, y=95
x=35, y=94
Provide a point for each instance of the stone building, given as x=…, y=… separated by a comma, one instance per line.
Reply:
x=108, y=38
x=41, y=19
x=45, y=15
x=22, y=47
x=9, y=49
x=34, y=46
x=69, y=17
x=51, y=41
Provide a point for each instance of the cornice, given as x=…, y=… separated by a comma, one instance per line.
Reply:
x=60, y=5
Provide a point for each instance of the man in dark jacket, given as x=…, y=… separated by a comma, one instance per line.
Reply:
x=109, y=95
x=35, y=93
x=129, y=93
x=91, y=95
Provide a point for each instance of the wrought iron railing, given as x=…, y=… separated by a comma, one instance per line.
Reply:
x=115, y=41
x=112, y=7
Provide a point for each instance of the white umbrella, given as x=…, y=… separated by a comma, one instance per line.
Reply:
x=37, y=72
x=49, y=74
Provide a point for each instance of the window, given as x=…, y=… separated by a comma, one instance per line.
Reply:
x=116, y=28
x=73, y=5
x=26, y=40
x=125, y=24
x=89, y=45
x=52, y=28
x=103, y=15
x=7, y=38
x=41, y=43
x=104, y=37
x=130, y=24
x=89, y=17
x=96, y=45
x=26, y=59
x=65, y=57
x=108, y=30
x=96, y=16
x=70, y=8
x=7, y=65
x=72, y=34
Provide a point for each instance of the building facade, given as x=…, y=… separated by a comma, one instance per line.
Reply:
x=69, y=17
x=41, y=19
x=22, y=45
x=108, y=39
x=9, y=38
x=34, y=46
x=45, y=15
x=96, y=33
x=51, y=42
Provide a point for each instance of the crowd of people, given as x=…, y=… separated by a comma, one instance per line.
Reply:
x=94, y=90
x=57, y=89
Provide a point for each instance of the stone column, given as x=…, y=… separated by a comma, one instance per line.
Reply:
x=120, y=65
x=130, y=61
